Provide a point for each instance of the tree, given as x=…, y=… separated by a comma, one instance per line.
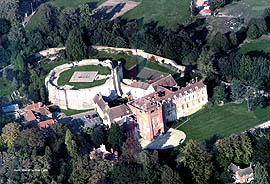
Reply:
x=71, y=145
x=246, y=70
x=233, y=38
x=168, y=176
x=260, y=174
x=116, y=137
x=236, y=149
x=238, y=90
x=220, y=43
x=90, y=171
x=130, y=150
x=205, y=65
x=10, y=133
x=98, y=136
x=198, y=160
x=220, y=94
x=4, y=57
x=27, y=141
x=75, y=46
x=253, y=32
x=4, y=26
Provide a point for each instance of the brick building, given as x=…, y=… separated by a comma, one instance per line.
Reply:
x=38, y=113
x=168, y=103
x=148, y=112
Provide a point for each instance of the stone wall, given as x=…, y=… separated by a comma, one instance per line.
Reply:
x=81, y=99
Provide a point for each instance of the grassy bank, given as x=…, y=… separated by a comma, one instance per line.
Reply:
x=262, y=44
x=70, y=112
x=223, y=121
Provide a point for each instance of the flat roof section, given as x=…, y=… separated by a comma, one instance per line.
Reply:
x=83, y=76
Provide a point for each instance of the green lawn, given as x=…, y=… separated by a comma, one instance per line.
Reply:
x=5, y=87
x=262, y=44
x=66, y=75
x=167, y=13
x=223, y=121
x=70, y=112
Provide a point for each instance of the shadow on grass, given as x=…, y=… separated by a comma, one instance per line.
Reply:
x=211, y=141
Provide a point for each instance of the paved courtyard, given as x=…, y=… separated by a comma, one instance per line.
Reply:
x=170, y=139
x=83, y=77
x=76, y=122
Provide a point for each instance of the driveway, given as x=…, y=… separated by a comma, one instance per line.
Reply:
x=76, y=122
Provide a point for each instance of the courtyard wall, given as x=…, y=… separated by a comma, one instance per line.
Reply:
x=67, y=98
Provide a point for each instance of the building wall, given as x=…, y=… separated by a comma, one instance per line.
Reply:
x=191, y=103
x=82, y=99
x=150, y=124
x=136, y=92
x=169, y=111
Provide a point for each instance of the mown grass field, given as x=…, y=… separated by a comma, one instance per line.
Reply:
x=262, y=44
x=167, y=13
x=5, y=87
x=223, y=121
x=66, y=75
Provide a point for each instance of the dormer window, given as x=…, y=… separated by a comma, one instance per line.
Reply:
x=196, y=87
x=185, y=92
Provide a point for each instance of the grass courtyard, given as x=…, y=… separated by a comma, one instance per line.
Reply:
x=261, y=44
x=70, y=112
x=223, y=121
x=66, y=75
x=167, y=13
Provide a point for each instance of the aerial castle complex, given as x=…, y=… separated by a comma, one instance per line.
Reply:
x=150, y=104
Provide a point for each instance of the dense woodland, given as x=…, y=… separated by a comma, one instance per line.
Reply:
x=212, y=55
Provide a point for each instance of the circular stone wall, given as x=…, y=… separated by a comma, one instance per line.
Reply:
x=67, y=98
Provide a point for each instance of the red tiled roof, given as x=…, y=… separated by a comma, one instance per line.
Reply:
x=207, y=11
x=167, y=81
x=43, y=110
x=33, y=106
x=29, y=116
x=45, y=124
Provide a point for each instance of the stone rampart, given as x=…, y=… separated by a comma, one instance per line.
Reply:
x=81, y=99
x=143, y=54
